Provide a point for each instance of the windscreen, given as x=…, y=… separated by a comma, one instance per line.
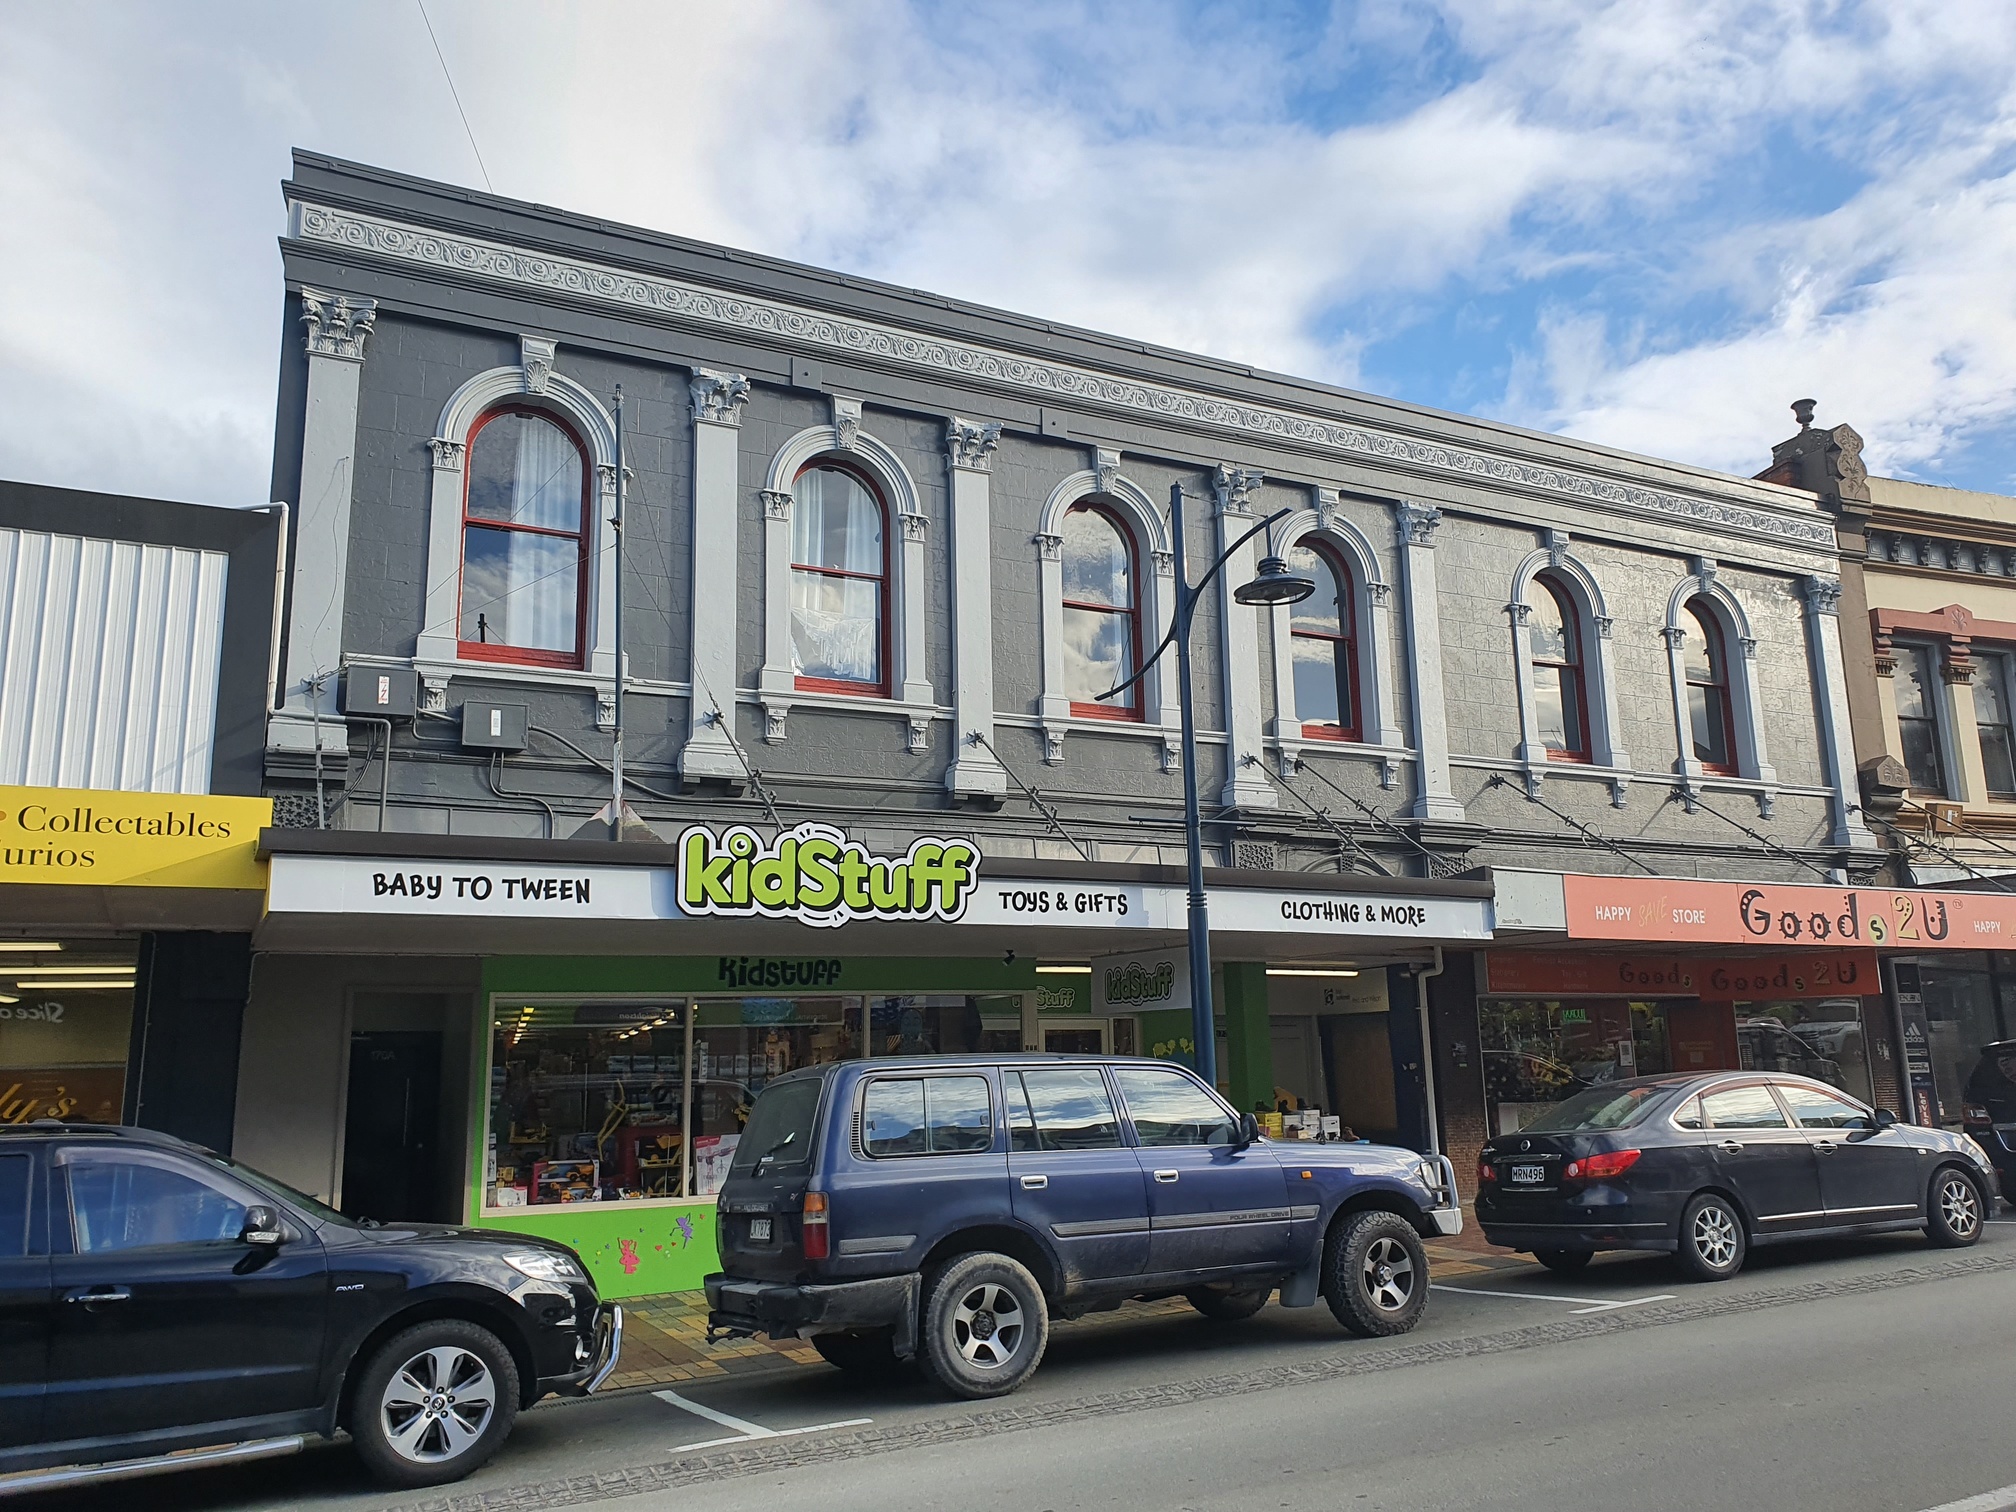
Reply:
x=1598, y=1108
x=779, y=1132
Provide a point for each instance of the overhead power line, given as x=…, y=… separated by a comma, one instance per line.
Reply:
x=455, y=95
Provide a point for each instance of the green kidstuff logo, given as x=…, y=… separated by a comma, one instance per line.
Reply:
x=816, y=875
x=1133, y=982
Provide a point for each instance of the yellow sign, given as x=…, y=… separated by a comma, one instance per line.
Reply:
x=86, y=838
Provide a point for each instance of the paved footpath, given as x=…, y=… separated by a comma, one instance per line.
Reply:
x=1517, y=1382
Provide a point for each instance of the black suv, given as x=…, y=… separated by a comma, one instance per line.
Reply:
x=162, y=1306
x=948, y=1207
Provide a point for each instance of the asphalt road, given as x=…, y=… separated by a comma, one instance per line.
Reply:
x=1866, y=1377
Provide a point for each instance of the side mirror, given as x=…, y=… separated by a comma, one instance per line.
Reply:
x=262, y=1226
x=1885, y=1119
x=1249, y=1131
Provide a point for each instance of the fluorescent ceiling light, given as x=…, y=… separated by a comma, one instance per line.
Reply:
x=25, y=945
x=8, y=997
x=1064, y=970
x=1312, y=971
x=77, y=970
x=71, y=984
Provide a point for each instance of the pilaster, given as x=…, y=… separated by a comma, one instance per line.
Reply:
x=969, y=458
x=1246, y=784
x=1433, y=798
x=1822, y=596
x=717, y=400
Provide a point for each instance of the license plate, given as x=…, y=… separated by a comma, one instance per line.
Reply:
x=1529, y=1175
x=759, y=1230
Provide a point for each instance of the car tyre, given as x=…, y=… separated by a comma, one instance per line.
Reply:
x=869, y=1353
x=1375, y=1274
x=1229, y=1304
x=1713, y=1243
x=985, y=1326
x=433, y=1403
x=1953, y=1209
x=1565, y=1262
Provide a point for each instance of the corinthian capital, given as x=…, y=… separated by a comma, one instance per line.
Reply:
x=970, y=443
x=337, y=324
x=718, y=397
x=1234, y=487
x=1418, y=523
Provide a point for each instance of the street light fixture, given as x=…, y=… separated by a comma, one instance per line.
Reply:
x=1276, y=583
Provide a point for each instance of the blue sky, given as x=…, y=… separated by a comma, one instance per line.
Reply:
x=1650, y=224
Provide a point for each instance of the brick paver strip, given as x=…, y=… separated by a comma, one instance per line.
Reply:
x=695, y=1469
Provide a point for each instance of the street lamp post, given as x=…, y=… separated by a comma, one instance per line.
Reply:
x=1274, y=584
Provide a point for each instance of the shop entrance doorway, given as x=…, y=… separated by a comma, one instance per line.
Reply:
x=392, y=1125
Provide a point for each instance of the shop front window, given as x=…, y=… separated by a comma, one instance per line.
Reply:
x=1965, y=1016
x=66, y=1025
x=1539, y=1053
x=1819, y=1038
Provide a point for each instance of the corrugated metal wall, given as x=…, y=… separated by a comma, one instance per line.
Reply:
x=108, y=663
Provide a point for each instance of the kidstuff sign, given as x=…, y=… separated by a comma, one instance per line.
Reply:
x=816, y=875
x=1744, y=913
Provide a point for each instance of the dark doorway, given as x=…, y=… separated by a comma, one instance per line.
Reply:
x=392, y=1126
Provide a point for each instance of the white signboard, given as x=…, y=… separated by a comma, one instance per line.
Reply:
x=468, y=889
x=1141, y=983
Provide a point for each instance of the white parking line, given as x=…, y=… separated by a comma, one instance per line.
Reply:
x=1987, y=1501
x=1581, y=1304
x=747, y=1432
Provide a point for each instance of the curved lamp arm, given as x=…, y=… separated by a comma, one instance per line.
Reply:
x=1186, y=599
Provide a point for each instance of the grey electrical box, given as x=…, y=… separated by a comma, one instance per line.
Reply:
x=494, y=726
x=378, y=692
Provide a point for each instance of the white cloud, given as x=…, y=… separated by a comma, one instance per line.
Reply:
x=1096, y=165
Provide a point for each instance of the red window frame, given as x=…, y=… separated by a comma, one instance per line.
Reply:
x=1576, y=662
x=492, y=651
x=1344, y=644
x=1717, y=646
x=881, y=581
x=1131, y=709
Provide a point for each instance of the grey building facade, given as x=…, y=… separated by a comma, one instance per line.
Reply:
x=1530, y=655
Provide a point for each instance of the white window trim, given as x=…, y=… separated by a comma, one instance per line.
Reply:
x=532, y=382
x=1608, y=758
x=910, y=693
x=1161, y=720
x=1379, y=731
x=1746, y=707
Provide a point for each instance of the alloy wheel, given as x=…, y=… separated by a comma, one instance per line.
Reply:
x=1959, y=1206
x=1388, y=1275
x=987, y=1326
x=1715, y=1236
x=437, y=1405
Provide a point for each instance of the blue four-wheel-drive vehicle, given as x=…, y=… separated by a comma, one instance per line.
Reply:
x=946, y=1208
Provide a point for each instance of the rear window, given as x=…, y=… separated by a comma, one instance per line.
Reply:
x=779, y=1132
x=931, y=1115
x=1598, y=1108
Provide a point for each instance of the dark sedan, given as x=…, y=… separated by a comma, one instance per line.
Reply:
x=1704, y=1167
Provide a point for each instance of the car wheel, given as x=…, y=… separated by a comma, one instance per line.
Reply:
x=985, y=1325
x=1953, y=1212
x=1712, y=1241
x=867, y=1352
x=1229, y=1304
x=1564, y=1262
x=1375, y=1274
x=434, y=1403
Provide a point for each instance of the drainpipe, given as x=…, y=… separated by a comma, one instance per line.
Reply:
x=1421, y=981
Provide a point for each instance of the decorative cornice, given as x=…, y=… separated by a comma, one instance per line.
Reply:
x=1234, y=487
x=337, y=324
x=535, y=356
x=1418, y=523
x=676, y=299
x=718, y=397
x=970, y=444
x=1941, y=554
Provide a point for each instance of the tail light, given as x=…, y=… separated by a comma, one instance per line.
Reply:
x=1487, y=1173
x=813, y=1222
x=1600, y=1167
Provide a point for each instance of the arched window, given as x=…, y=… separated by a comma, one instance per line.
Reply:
x=1322, y=630
x=1102, y=628
x=524, y=540
x=839, y=583
x=1555, y=634
x=1703, y=654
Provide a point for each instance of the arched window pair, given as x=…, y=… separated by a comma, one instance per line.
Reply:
x=1560, y=678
